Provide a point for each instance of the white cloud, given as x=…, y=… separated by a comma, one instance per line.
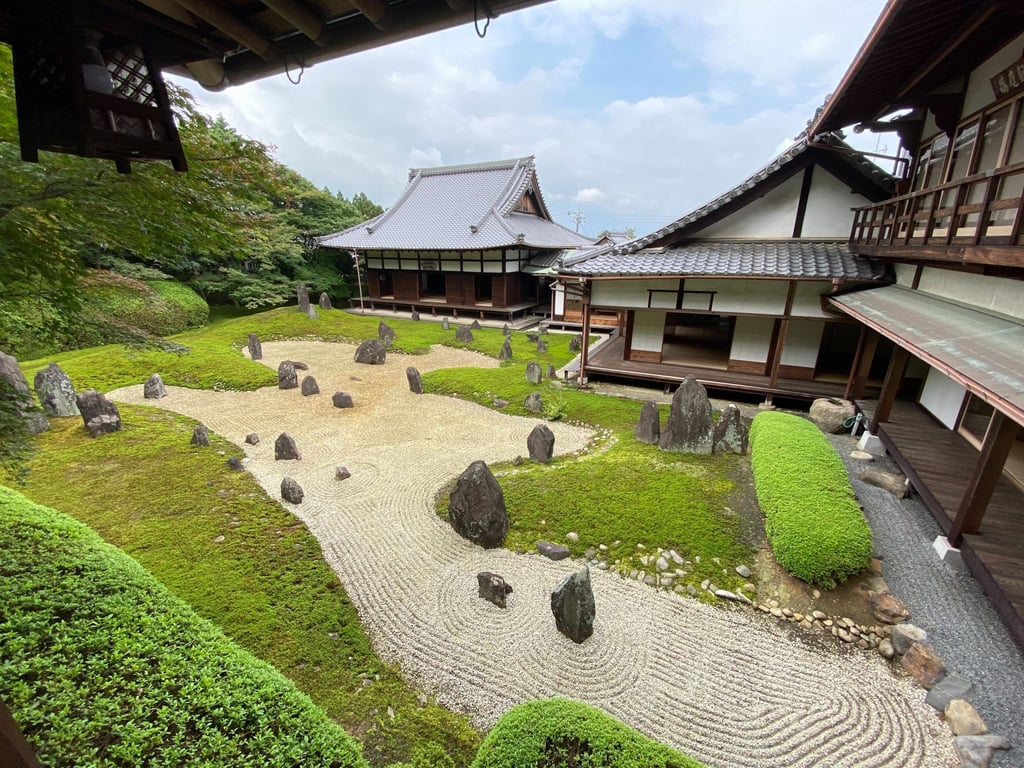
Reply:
x=589, y=195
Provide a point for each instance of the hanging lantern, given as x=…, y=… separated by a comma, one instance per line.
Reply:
x=85, y=89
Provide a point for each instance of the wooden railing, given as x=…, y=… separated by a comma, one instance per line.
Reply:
x=984, y=209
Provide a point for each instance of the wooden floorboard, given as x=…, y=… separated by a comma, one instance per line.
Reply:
x=940, y=463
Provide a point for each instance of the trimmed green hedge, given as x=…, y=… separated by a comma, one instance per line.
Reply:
x=558, y=733
x=816, y=528
x=102, y=666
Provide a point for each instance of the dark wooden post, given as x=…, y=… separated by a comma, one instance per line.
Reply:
x=998, y=440
x=585, y=349
x=12, y=743
x=867, y=344
x=891, y=385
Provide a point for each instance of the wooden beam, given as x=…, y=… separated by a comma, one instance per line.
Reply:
x=307, y=22
x=231, y=25
x=16, y=751
x=891, y=385
x=863, y=360
x=801, y=206
x=377, y=11
x=985, y=255
x=999, y=438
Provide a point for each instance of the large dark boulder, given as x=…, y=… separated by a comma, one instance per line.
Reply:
x=154, y=388
x=309, y=386
x=55, y=391
x=648, y=428
x=200, y=436
x=99, y=414
x=476, y=508
x=493, y=588
x=572, y=603
x=831, y=413
x=285, y=448
x=35, y=422
x=415, y=381
x=541, y=443
x=730, y=434
x=463, y=334
x=371, y=352
x=342, y=400
x=534, y=375
x=325, y=301
x=688, y=429
x=291, y=490
x=534, y=403
x=287, y=378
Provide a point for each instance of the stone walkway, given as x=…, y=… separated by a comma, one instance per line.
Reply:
x=726, y=685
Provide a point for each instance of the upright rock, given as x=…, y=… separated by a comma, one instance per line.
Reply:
x=302, y=294
x=414, y=315
x=534, y=403
x=573, y=605
x=475, y=325
x=287, y=378
x=255, y=348
x=252, y=438
x=688, y=429
x=55, y=391
x=154, y=388
x=285, y=448
x=35, y=422
x=476, y=508
x=542, y=347
x=533, y=372
x=506, y=331
x=99, y=414
x=648, y=428
x=385, y=333
x=341, y=400
x=291, y=491
x=200, y=436
x=830, y=413
x=506, y=350
x=730, y=434
x=576, y=343
x=325, y=301
x=309, y=386
x=552, y=373
x=444, y=324
x=415, y=381
x=493, y=588
x=312, y=312
x=463, y=334
x=541, y=443
x=371, y=352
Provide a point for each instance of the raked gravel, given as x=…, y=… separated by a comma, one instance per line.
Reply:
x=724, y=684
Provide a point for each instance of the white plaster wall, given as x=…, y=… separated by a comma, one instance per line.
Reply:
x=807, y=298
x=738, y=296
x=828, y=212
x=451, y=266
x=979, y=89
x=803, y=339
x=994, y=294
x=905, y=274
x=942, y=397
x=751, y=338
x=489, y=266
x=633, y=293
x=770, y=216
x=559, y=297
x=648, y=331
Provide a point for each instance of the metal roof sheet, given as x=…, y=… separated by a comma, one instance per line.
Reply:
x=462, y=207
x=981, y=350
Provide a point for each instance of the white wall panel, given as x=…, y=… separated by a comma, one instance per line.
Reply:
x=807, y=298
x=803, y=339
x=770, y=216
x=738, y=296
x=633, y=293
x=751, y=339
x=942, y=397
x=648, y=331
x=828, y=214
x=994, y=294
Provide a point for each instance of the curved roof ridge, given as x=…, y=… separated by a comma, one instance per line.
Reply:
x=490, y=165
x=372, y=224
x=515, y=180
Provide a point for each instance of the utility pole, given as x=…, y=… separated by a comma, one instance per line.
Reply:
x=359, y=280
x=578, y=217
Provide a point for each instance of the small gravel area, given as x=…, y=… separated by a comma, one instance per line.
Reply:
x=728, y=685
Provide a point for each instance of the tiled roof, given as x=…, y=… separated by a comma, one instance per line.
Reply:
x=797, y=259
x=860, y=163
x=462, y=207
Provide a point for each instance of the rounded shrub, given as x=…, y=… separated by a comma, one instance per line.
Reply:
x=814, y=524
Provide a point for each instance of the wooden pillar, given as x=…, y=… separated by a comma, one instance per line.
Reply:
x=862, y=360
x=12, y=743
x=998, y=440
x=585, y=348
x=891, y=385
x=775, y=356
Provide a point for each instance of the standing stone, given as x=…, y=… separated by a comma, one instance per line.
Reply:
x=154, y=388
x=291, y=491
x=285, y=448
x=325, y=301
x=830, y=413
x=463, y=334
x=200, y=436
x=385, y=333
x=576, y=343
x=341, y=472
x=541, y=444
x=312, y=312
x=533, y=373
x=35, y=422
x=493, y=588
x=235, y=463
x=688, y=429
x=55, y=391
x=252, y=438
x=905, y=635
x=648, y=428
x=303, y=296
x=552, y=373
x=444, y=324
x=99, y=414
x=534, y=403
x=309, y=386
x=255, y=348
x=415, y=315
x=506, y=331
x=341, y=400
x=730, y=434
x=287, y=378
x=476, y=508
x=371, y=352
x=475, y=325
x=542, y=347
x=506, y=350
x=572, y=603
x=415, y=382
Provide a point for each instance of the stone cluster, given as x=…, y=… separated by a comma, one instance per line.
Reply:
x=690, y=427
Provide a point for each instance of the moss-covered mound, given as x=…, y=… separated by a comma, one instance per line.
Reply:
x=103, y=666
x=558, y=733
x=816, y=528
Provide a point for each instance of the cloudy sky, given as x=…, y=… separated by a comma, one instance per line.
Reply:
x=638, y=111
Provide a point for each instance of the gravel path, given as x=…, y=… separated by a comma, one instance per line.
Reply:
x=728, y=686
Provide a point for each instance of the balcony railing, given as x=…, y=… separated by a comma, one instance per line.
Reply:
x=984, y=209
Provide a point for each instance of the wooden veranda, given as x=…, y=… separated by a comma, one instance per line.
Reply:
x=939, y=463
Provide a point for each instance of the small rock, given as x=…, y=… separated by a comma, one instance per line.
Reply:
x=371, y=352
x=977, y=751
x=552, y=551
x=312, y=313
x=414, y=379
x=533, y=372
x=743, y=571
x=475, y=325
x=235, y=463
x=291, y=491
x=463, y=334
x=285, y=448
x=325, y=301
x=385, y=333
x=493, y=588
x=572, y=604
x=964, y=719
x=541, y=444
x=887, y=609
x=572, y=536
x=309, y=386
x=923, y=664
x=947, y=689
x=534, y=403
x=255, y=348
x=252, y=438
x=200, y=436
x=287, y=378
x=691, y=590
x=905, y=635
x=499, y=403
x=342, y=473
x=414, y=315
x=506, y=350
x=649, y=581
x=341, y=400
x=219, y=539
x=153, y=389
